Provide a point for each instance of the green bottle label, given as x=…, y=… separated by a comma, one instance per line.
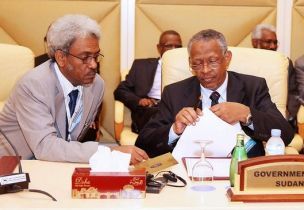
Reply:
x=239, y=154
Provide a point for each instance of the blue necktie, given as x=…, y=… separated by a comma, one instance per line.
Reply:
x=214, y=98
x=73, y=98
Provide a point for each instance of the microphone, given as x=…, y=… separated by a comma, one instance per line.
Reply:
x=17, y=181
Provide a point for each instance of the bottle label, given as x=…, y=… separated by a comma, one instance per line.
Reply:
x=275, y=150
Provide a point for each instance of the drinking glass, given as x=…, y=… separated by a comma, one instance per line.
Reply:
x=202, y=170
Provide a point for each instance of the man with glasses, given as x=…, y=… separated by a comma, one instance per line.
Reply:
x=264, y=37
x=141, y=91
x=233, y=97
x=53, y=106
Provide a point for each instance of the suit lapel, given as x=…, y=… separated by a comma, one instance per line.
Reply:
x=192, y=93
x=153, y=63
x=87, y=105
x=235, y=89
x=60, y=113
x=153, y=66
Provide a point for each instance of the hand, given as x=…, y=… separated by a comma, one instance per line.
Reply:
x=147, y=102
x=137, y=154
x=186, y=116
x=95, y=127
x=231, y=112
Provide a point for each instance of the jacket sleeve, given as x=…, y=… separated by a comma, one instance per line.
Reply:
x=266, y=116
x=125, y=92
x=299, y=68
x=35, y=115
x=153, y=138
x=293, y=103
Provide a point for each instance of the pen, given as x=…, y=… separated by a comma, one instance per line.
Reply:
x=198, y=104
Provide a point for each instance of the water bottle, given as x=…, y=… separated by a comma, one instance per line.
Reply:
x=239, y=153
x=275, y=145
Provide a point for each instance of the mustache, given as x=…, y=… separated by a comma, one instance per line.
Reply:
x=93, y=71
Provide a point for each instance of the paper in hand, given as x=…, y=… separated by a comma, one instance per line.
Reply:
x=209, y=127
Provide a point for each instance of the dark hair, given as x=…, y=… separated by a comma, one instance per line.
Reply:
x=167, y=32
x=207, y=35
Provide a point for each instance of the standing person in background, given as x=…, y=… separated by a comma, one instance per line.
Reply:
x=264, y=37
x=141, y=90
x=51, y=108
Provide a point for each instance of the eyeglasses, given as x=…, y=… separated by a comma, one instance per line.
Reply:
x=269, y=41
x=212, y=63
x=87, y=59
x=171, y=46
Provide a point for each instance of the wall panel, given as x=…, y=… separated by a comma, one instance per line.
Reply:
x=297, y=35
x=234, y=18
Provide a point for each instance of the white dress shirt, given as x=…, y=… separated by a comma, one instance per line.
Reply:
x=67, y=87
x=155, y=91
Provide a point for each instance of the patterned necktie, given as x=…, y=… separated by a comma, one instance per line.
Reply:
x=73, y=98
x=214, y=98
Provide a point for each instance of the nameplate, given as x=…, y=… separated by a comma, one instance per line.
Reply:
x=270, y=178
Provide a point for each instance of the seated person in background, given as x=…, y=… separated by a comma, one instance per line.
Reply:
x=52, y=106
x=233, y=97
x=141, y=90
x=299, y=68
x=264, y=37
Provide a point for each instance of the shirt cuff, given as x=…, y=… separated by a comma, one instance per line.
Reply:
x=172, y=136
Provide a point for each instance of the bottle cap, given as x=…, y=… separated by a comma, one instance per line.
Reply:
x=240, y=136
x=276, y=132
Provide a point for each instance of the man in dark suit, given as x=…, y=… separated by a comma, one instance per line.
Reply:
x=141, y=90
x=264, y=37
x=233, y=97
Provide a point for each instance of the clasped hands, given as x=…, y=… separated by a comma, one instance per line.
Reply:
x=147, y=102
x=137, y=155
x=230, y=112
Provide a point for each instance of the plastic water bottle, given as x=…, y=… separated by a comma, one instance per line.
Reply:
x=239, y=153
x=275, y=145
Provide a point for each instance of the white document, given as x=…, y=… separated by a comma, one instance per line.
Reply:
x=209, y=127
x=220, y=166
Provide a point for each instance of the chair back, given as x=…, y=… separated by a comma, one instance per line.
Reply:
x=15, y=60
x=271, y=65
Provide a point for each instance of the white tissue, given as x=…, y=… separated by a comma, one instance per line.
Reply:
x=105, y=160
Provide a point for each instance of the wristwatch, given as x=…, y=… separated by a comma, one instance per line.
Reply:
x=248, y=120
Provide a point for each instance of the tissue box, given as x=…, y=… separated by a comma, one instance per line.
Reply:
x=103, y=185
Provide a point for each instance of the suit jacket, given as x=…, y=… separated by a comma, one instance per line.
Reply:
x=138, y=82
x=299, y=69
x=293, y=103
x=248, y=90
x=34, y=118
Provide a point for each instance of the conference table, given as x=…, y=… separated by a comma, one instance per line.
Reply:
x=55, y=178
